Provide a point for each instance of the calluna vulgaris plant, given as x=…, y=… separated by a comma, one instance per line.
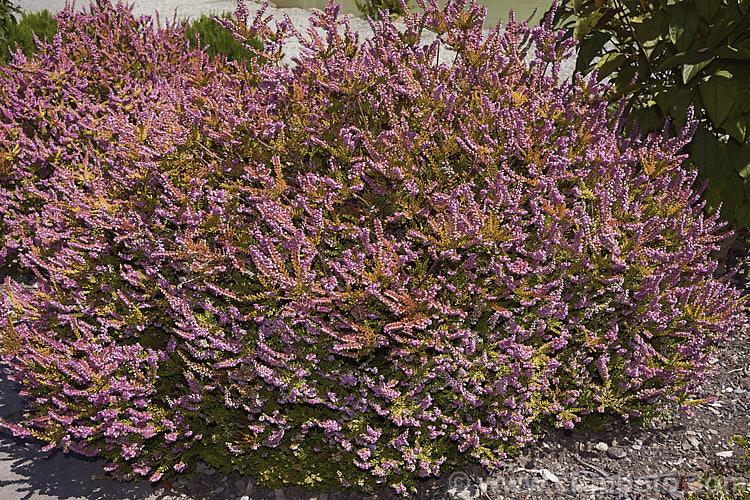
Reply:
x=367, y=268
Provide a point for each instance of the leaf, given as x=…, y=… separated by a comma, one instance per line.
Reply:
x=683, y=21
x=689, y=57
x=627, y=73
x=649, y=28
x=739, y=156
x=678, y=109
x=737, y=127
x=647, y=118
x=610, y=63
x=627, y=89
x=740, y=32
x=690, y=70
x=590, y=48
x=585, y=24
x=722, y=30
x=729, y=52
x=735, y=192
x=718, y=94
x=743, y=101
x=714, y=196
x=742, y=213
x=665, y=97
x=708, y=8
x=704, y=150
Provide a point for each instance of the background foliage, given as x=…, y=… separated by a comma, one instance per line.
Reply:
x=215, y=39
x=662, y=57
x=21, y=34
x=8, y=13
x=372, y=8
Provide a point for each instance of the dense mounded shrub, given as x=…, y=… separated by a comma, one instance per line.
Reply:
x=664, y=57
x=21, y=35
x=367, y=268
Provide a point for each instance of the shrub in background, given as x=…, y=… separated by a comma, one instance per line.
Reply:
x=359, y=271
x=372, y=8
x=21, y=35
x=214, y=39
x=8, y=13
x=662, y=58
x=207, y=34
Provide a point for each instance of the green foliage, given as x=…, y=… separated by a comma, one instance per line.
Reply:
x=22, y=33
x=217, y=40
x=662, y=57
x=211, y=36
x=7, y=18
x=372, y=8
x=744, y=443
x=715, y=486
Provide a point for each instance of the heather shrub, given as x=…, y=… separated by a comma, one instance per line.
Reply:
x=21, y=35
x=368, y=268
x=54, y=105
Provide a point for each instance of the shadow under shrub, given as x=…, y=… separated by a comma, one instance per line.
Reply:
x=355, y=272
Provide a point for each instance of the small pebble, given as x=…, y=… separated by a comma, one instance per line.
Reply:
x=637, y=447
x=601, y=447
x=250, y=487
x=724, y=454
x=549, y=476
x=279, y=494
x=616, y=452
